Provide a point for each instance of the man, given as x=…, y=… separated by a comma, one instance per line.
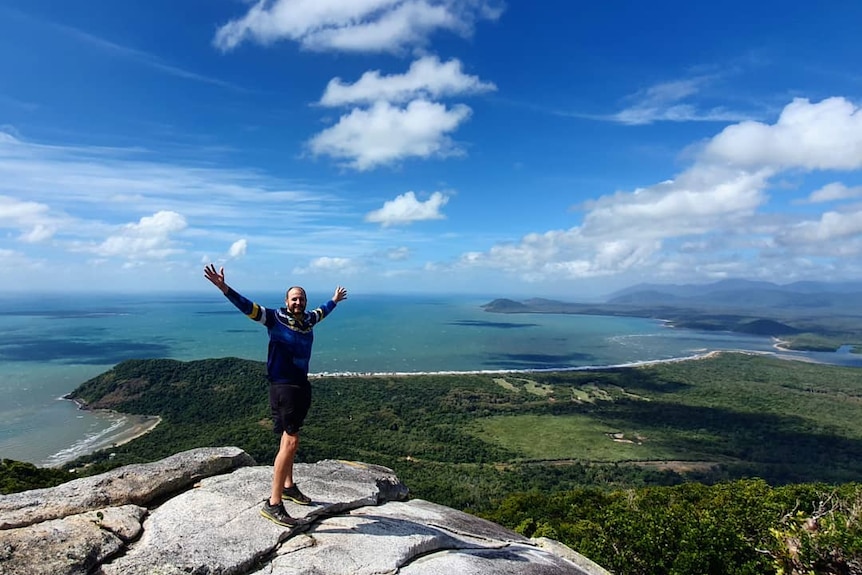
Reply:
x=290, y=341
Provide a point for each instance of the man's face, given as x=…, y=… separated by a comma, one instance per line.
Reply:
x=296, y=300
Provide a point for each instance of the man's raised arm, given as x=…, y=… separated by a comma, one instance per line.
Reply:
x=340, y=294
x=254, y=311
x=216, y=277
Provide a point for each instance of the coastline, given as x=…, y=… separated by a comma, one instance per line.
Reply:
x=125, y=428
x=134, y=430
x=780, y=344
x=647, y=362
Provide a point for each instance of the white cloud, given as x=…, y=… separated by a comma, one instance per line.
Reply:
x=328, y=266
x=14, y=210
x=565, y=254
x=385, y=134
x=388, y=130
x=237, y=249
x=353, y=25
x=399, y=118
x=835, y=191
x=406, y=209
x=427, y=78
x=149, y=238
x=714, y=205
x=33, y=220
x=330, y=263
x=697, y=201
x=829, y=230
x=826, y=135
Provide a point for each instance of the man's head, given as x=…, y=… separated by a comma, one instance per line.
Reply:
x=295, y=300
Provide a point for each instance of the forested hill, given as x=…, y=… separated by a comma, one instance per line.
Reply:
x=204, y=390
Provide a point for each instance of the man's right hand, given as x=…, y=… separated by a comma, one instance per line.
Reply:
x=216, y=277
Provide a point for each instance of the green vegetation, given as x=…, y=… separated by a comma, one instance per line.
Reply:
x=816, y=342
x=719, y=465
x=18, y=476
x=743, y=527
x=569, y=437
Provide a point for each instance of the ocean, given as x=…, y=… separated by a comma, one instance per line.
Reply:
x=51, y=344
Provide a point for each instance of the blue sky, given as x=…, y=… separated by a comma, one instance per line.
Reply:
x=556, y=148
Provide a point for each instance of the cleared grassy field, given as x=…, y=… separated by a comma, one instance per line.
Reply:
x=727, y=409
x=581, y=437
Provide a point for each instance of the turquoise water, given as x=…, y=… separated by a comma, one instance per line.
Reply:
x=50, y=344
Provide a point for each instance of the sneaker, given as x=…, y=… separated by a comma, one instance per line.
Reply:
x=294, y=494
x=277, y=514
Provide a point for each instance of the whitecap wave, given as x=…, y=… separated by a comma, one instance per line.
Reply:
x=91, y=442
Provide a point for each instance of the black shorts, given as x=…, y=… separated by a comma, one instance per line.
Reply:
x=289, y=405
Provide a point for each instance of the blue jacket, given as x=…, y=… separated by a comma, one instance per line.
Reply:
x=290, y=338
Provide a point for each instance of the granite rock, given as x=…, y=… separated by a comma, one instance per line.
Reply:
x=198, y=512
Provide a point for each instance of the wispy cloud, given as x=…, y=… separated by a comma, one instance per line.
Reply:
x=834, y=192
x=113, y=203
x=670, y=102
x=16, y=103
x=140, y=57
x=685, y=100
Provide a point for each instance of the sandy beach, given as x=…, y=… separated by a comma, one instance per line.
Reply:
x=780, y=344
x=124, y=429
x=138, y=425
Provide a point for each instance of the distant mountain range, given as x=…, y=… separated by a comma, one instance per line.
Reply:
x=744, y=294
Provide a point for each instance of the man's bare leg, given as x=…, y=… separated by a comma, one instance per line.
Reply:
x=283, y=472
